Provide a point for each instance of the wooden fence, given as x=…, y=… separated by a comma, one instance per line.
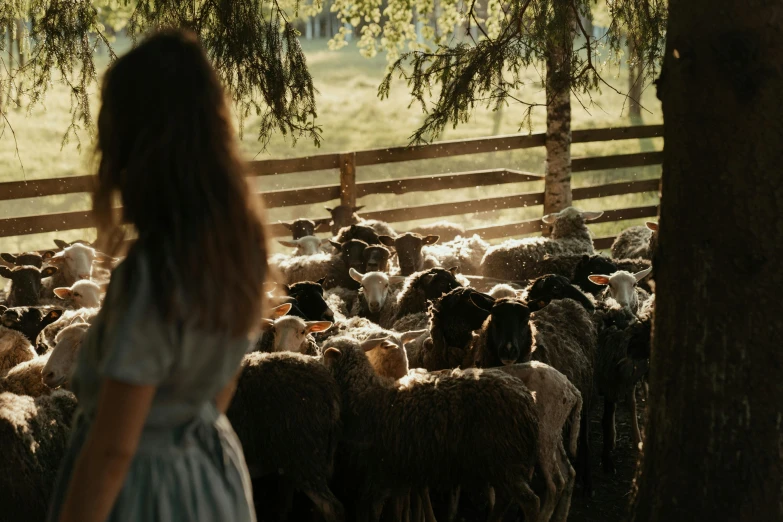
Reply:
x=348, y=190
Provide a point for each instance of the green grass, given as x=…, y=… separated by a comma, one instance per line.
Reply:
x=352, y=118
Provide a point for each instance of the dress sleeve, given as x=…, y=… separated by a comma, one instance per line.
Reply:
x=137, y=344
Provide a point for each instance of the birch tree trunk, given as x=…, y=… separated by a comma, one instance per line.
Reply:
x=635, y=83
x=714, y=447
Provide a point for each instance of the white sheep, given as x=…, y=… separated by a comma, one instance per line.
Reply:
x=376, y=291
x=463, y=252
x=15, y=348
x=82, y=294
x=503, y=290
x=290, y=334
x=46, y=339
x=74, y=263
x=62, y=360
x=622, y=287
x=307, y=245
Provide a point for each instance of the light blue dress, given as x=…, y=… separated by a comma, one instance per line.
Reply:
x=189, y=465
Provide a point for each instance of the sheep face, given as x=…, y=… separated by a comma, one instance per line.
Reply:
x=387, y=355
x=360, y=232
x=75, y=262
x=26, y=282
x=438, y=281
x=58, y=369
x=408, y=247
x=552, y=286
x=592, y=265
x=291, y=332
x=342, y=214
x=305, y=246
x=352, y=253
x=83, y=294
x=310, y=300
x=571, y=213
x=300, y=228
x=376, y=258
x=622, y=286
x=27, y=259
x=468, y=305
x=376, y=287
x=29, y=320
x=509, y=335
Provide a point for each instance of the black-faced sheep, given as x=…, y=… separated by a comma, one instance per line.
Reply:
x=416, y=292
x=286, y=413
x=591, y=265
x=409, y=251
x=376, y=258
x=344, y=215
x=300, y=228
x=351, y=256
x=360, y=232
x=34, y=434
x=26, y=283
x=464, y=252
x=388, y=422
x=309, y=302
x=549, y=287
x=29, y=320
x=518, y=259
x=446, y=230
x=27, y=258
x=505, y=337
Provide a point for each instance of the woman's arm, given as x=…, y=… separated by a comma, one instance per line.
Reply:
x=104, y=460
x=223, y=398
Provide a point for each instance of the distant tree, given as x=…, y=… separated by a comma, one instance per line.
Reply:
x=253, y=46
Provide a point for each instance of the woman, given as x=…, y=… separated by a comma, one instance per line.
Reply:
x=158, y=366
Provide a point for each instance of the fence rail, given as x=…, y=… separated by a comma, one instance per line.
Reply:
x=348, y=190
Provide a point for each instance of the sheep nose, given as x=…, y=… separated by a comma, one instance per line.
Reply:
x=328, y=316
x=51, y=380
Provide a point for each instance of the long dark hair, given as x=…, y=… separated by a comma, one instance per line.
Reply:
x=166, y=145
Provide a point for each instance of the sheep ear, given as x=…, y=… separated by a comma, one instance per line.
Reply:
x=63, y=293
x=288, y=243
x=331, y=355
x=371, y=344
x=386, y=240
x=410, y=336
x=266, y=325
x=287, y=224
x=49, y=271
x=396, y=280
x=6, y=272
x=549, y=218
x=10, y=258
x=652, y=225
x=321, y=281
x=329, y=209
x=318, y=326
x=355, y=275
x=48, y=254
x=644, y=273
x=430, y=240
x=599, y=279
x=336, y=244
x=454, y=270
x=357, y=209
x=61, y=244
x=280, y=311
x=589, y=215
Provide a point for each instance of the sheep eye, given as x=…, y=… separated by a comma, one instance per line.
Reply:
x=303, y=332
x=76, y=295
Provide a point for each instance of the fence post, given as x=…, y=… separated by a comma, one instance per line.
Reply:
x=347, y=186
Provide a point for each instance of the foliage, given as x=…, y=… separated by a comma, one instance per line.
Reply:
x=251, y=43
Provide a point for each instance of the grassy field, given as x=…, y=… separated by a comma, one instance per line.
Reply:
x=353, y=118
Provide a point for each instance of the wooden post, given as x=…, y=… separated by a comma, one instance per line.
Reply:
x=347, y=186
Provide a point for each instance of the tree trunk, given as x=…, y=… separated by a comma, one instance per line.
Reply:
x=714, y=448
x=19, y=34
x=557, y=182
x=635, y=83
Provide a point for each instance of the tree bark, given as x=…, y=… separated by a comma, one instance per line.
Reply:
x=557, y=181
x=714, y=447
x=19, y=34
x=635, y=83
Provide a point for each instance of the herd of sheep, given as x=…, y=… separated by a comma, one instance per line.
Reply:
x=407, y=376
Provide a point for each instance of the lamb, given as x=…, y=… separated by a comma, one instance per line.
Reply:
x=502, y=290
x=82, y=294
x=409, y=251
x=344, y=215
x=300, y=228
x=464, y=252
x=305, y=246
x=374, y=292
x=559, y=404
x=516, y=259
x=29, y=320
x=622, y=287
x=417, y=290
x=286, y=413
x=360, y=232
x=27, y=259
x=26, y=283
x=62, y=359
x=46, y=339
x=15, y=348
x=452, y=320
x=446, y=230
x=34, y=434
x=394, y=455
x=290, y=334
x=25, y=378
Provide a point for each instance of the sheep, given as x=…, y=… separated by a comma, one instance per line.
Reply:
x=517, y=259
x=75, y=263
x=344, y=215
x=548, y=287
x=290, y=334
x=62, y=245
x=405, y=436
x=309, y=301
x=82, y=294
x=558, y=404
x=622, y=287
x=300, y=228
x=384, y=349
x=637, y=265
x=374, y=292
x=15, y=348
x=409, y=251
x=502, y=290
x=376, y=258
x=446, y=230
x=351, y=256
x=62, y=359
x=505, y=336
x=34, y=434
x=29, y=320
x=633, y=242
x=464, y=252
x=46, y=339
x=286, y=413
x=27, y=259
x=452, y=320
x=591, y=265
x=26, y=378
x=360, y=232
x=417, y=290
x=340, y=301
x=653, y=245
x=26, y=283
x=305, y=246
x=331, y=267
